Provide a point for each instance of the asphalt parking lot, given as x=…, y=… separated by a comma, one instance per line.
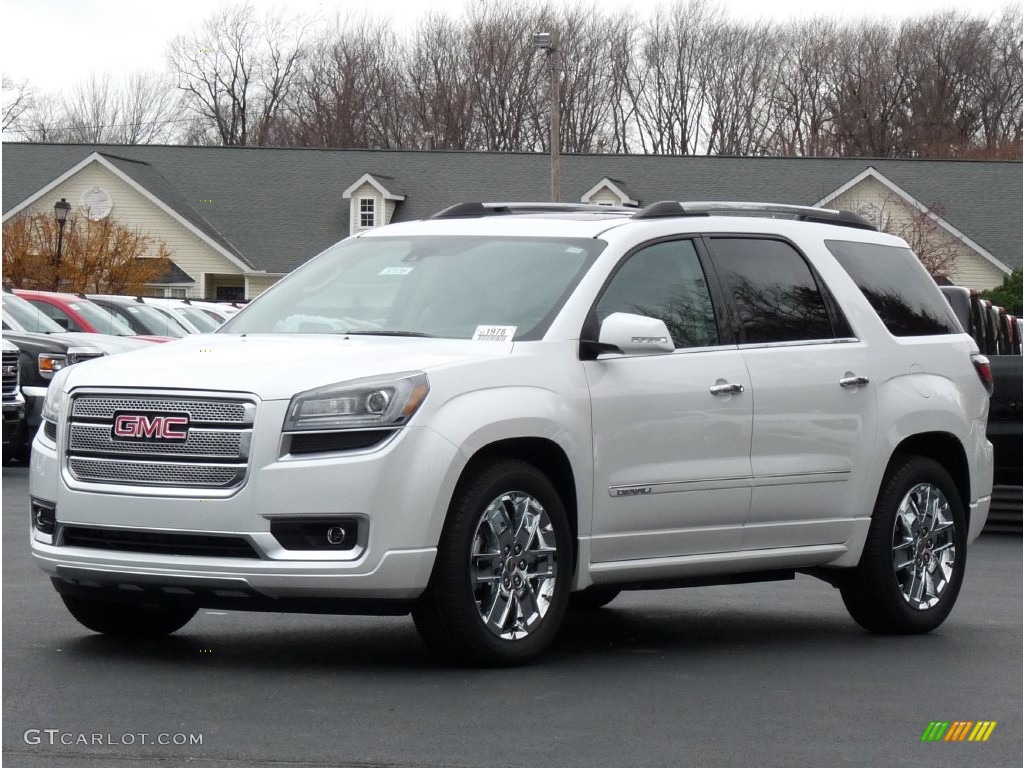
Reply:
x=757, y=675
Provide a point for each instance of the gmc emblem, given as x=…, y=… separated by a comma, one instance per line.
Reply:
x=150, y=427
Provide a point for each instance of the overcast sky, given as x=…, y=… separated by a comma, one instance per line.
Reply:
x=58, y=42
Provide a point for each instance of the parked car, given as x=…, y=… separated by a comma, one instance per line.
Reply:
x=201, y=321
x=46, y=348
x=13, y=401
x=997, y=334
x=74, y=313
x=141, y=317
x=509, y=409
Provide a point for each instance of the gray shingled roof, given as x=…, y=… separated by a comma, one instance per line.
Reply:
x=174, y=275
x=279, y=207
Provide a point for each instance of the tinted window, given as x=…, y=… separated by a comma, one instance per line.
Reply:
x=665, y=281
x=773, y=290
x=898, y=287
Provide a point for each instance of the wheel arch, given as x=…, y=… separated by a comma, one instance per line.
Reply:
x=544, y=454
x=944, y=448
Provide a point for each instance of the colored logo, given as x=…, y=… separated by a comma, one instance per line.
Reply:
x=958, y=730
x=142, y=427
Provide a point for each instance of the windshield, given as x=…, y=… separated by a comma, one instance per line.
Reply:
x=101, y=320
x=450, y=287
x=153, y=320
x=198, y=319
x=29, y=317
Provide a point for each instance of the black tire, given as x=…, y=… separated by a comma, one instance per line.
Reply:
x=450, y=613
x=880, y=593
x=127, y=620
x=592, y=598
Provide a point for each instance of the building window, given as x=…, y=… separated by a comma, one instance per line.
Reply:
x=367, y=212
x=175, y=293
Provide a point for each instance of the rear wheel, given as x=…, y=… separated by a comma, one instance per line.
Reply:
x=913, y=562
x=501, y=580
x=127, y=620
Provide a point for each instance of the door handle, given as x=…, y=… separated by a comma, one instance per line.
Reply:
x=853, y=382
x=725, y=389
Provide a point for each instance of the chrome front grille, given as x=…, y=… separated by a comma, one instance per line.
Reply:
x=206, y=443
x=10, y=373
x=156, y=473
x=213, y=457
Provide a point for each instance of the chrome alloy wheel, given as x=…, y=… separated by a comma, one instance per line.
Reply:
x=923, y=546
x=513, y=565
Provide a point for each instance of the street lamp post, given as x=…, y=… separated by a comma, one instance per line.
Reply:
x=548, y=41
x=60, y=213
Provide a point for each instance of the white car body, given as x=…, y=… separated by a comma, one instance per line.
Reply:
x=785, y=477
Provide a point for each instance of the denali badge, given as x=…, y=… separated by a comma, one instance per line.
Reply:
x=150, y=427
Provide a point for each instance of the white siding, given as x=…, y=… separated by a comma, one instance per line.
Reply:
x=258, y=285
x=972, y=270
x=132, y=209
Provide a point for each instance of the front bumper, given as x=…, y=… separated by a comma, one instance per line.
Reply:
x=400, y=493
x=13, y=418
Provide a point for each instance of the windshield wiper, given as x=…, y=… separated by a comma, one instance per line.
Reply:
x=388, y=333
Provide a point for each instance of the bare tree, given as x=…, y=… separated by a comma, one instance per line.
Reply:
x=801, y=116
x=740, y=89
x=236, y=71
x=506, y=73
x=440, y=89
x=18, y=98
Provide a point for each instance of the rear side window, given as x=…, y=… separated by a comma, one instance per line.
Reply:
x=775, y=295
x=897, y=285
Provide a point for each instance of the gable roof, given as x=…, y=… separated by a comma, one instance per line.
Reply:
x=279, y=207
x=614, y=186
x=934, y=214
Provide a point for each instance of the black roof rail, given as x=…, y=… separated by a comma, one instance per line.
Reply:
x=475, y=210
x=669, y=208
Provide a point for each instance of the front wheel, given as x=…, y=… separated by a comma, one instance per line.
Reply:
x=127, y=620
x=913, y=562
x=501, y=580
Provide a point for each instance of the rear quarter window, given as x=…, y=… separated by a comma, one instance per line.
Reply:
x=897, y=286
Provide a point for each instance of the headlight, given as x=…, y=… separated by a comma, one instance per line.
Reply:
x=51, y=403
x=375, y=402
x=51, y=364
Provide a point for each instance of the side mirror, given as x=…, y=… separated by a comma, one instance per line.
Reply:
x=636, y=334
x=63, y=322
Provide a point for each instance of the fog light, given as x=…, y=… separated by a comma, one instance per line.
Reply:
x=312, y=533
x=44, y=520
x=335, y=535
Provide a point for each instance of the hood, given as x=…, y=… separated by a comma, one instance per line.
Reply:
x=275, y=366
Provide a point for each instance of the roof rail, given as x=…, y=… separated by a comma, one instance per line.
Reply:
x=477, y=210
x=669, y=208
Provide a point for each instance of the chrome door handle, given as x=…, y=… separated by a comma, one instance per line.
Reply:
x=853, y=382
x=725, y=389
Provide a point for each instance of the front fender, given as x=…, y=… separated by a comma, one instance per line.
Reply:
x=475, y=420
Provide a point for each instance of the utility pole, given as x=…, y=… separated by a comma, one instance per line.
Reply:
x=548, y=42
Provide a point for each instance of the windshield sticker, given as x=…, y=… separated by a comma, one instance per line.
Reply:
x=494, y=332
x=573, y=249
x=396, y=271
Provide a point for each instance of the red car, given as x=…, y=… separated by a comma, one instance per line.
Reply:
x=77, y=314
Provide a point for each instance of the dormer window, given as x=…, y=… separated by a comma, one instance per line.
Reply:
x=372, y=201
x=367, y=212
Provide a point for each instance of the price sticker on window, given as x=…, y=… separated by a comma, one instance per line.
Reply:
x=494, y=332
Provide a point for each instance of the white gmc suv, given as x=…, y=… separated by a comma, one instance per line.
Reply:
x=513, y=410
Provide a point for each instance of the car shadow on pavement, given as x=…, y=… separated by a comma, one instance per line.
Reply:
x=339, y=644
